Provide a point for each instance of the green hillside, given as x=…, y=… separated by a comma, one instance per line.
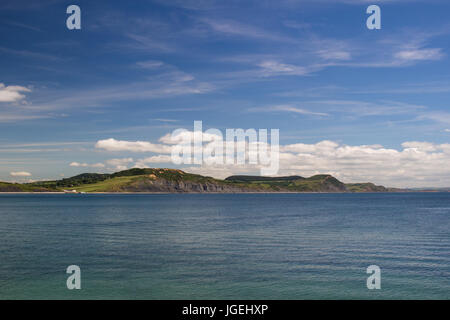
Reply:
x=365, y=187
x=317, y=183
x=173, y=180
x=18, y=187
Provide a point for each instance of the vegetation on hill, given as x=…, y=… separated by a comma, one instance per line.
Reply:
x=261, y=179
x=365, y=187
x=18, y=187
x=317, y=183
x=173, y=180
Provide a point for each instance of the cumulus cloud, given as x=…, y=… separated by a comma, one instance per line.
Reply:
x=181, y=135
x=132, y=146
x=84, y=165
x=119, y=164
x=418, y=164
x=20, y=174
x=144, y=163
x=111, y=164
x=414, y=164
x=12, y=93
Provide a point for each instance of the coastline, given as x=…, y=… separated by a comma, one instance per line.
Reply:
x=252, y=192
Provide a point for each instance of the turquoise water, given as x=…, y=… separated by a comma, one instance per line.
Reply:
x=219, y=246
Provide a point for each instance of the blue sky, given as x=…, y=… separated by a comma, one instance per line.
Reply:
x=138, y=70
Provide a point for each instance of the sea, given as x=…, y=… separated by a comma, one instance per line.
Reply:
x=225, y=246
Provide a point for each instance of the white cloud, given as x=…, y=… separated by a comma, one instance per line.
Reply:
x=272, y=68
x=150, y=64
x=20, y=174
x=415, y=164
x=165, y=120
x=334, y=55
x=85, y=165
x=355, y=109
x=144, y=163
x=132, y=146
x=363, y=108
x=186, y=135
x=236, y=28
x=12, y=93
x=321, y=147
x=420, y=54
x=440, y=116
x=418, y=164
x=288, y=108
x=424, y=146
x=77, y=164
x=119, y=164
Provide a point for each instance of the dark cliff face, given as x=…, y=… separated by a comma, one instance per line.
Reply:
x=163, y=185
x=331, y=184
x=321, y=184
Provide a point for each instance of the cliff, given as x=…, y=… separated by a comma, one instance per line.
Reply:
x=177, y=181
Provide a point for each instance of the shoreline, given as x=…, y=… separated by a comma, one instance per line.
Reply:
x=180, y=193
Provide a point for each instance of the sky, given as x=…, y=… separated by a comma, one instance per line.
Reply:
x=363, y=105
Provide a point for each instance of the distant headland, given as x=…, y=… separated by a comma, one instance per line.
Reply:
x=154, y=180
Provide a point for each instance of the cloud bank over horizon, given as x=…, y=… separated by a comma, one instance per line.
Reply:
x=417, y=164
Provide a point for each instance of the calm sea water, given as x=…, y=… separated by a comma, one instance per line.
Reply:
x=219, y=246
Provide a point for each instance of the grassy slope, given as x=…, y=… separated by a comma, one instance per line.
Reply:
x=120, y=184
x=365, y=187
x=109, y=185
x=120, y=181
x=17, y=187
x=128, y=180
x=317, y=183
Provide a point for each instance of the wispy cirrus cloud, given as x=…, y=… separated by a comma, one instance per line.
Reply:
x=22, y=25
x=288, y=108
x=236, y=28
x=31, y=54
x=353, y=108
x=150, y=64
x=146, y=43
x=419, y=54
x=41, y=147
x=273, y=68
x=167, y=81
x=367, y=108
x=311, y=53
x=436, y=116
